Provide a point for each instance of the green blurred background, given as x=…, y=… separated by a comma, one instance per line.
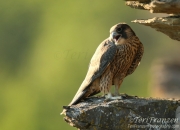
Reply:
x=45, y=49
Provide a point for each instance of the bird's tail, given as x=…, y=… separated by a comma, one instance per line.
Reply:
x=63, y=112
x=79, y=95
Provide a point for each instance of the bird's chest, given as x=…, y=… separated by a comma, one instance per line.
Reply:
x=123, y=58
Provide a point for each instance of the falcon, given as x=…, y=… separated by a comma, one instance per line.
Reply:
x=115, y=58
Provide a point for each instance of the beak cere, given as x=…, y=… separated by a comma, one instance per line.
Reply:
x=115, y=36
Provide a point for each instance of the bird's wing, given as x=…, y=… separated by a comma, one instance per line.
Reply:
x=101, y=59
x=136, y=60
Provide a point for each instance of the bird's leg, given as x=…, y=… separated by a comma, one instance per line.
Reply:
x=117, y=83
x=116, y=90
x=117, y=86
x=110, y=97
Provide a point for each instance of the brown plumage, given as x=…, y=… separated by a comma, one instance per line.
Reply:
x=114, y=59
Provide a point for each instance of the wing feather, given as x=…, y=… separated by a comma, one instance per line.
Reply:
x=102, y=57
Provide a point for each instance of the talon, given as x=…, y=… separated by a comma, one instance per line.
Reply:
x=118, y=97
x=124, y=96
x=109, y=97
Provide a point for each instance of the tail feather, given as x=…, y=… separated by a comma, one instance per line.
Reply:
x=79, y=96
x=76, y=99
x=63, y=112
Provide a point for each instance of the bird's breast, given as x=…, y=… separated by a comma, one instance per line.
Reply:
x=123, y=59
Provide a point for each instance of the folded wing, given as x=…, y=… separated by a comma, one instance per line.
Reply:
x=102, y=57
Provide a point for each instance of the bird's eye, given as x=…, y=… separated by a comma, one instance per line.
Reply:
x=119, y=30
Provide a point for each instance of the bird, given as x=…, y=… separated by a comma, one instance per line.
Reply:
x=115, y=58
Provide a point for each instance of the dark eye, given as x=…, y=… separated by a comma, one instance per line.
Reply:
x=119, y=30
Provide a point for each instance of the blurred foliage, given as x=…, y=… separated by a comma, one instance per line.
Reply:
x=45, y=49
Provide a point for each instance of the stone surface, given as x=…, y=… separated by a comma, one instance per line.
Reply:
x=167, y=25
x=130, y=112
x=156, y=6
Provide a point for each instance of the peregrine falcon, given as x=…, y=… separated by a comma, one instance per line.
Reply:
x=114, y=59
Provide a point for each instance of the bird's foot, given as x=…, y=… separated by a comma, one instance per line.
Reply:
x=117, y=94
x=109, y=97
x=117, y=97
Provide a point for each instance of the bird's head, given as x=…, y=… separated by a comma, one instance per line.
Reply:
x=120, y=32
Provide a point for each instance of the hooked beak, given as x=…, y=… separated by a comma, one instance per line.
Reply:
x=115, y=36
